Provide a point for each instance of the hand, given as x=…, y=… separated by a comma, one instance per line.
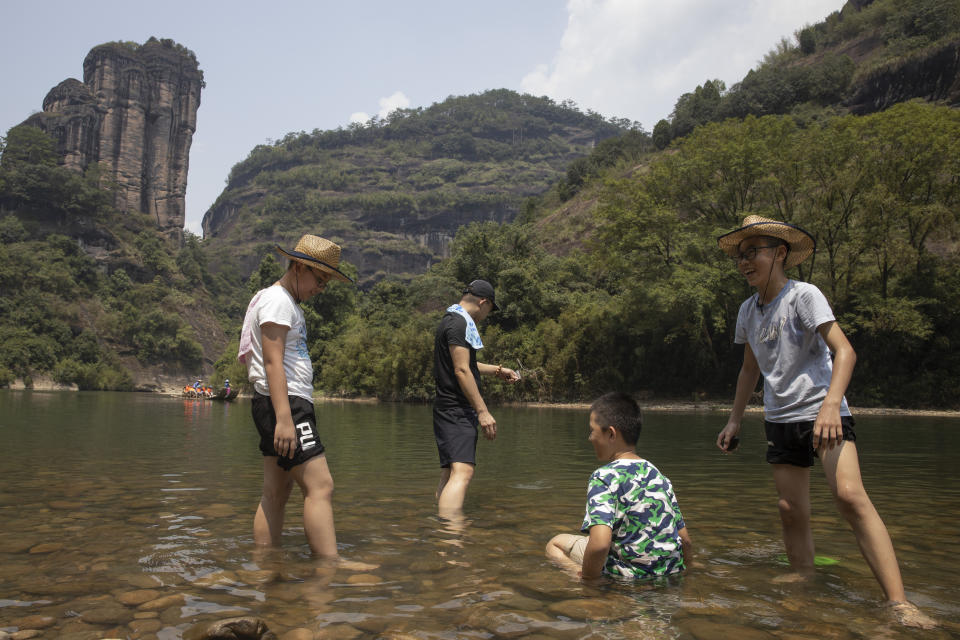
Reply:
x=488, y=426
x=284, y=439
x=725, y=439
x=509, y=375
x=827, y=429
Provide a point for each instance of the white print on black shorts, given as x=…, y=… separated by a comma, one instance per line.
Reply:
x=307, y=440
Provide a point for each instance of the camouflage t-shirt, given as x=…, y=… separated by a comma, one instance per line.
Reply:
x=637, y=502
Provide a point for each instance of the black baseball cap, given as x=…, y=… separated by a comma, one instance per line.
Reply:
x=482, y=289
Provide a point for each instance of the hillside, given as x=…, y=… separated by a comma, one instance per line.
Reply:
x=89, y=295
x=867, y=57
x=395, y=191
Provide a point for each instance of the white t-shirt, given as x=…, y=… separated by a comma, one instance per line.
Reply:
x=276, y=305
x=793, y=358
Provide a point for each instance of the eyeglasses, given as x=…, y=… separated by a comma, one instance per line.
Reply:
x=321, y=276
x=751, y=253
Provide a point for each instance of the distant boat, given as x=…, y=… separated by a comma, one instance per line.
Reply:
x=226, y=395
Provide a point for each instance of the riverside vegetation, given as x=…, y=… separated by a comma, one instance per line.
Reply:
x=609, y=272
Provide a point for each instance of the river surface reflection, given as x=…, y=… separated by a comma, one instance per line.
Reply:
x=129, y=515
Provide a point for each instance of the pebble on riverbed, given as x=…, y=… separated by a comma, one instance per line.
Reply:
x=138, y=597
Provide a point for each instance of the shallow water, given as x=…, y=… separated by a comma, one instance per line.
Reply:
x=129, y=515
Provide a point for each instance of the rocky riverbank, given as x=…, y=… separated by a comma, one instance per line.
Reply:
x=171, y=388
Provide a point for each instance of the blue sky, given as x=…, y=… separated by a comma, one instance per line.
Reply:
x=282, y=66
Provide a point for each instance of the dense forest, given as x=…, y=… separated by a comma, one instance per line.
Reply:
x=88, y=295
x=607, y=267
x=649, y=303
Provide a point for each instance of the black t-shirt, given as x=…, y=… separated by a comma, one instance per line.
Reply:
x=452, y=330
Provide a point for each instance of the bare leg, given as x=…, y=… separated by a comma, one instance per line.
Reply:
x=444, y=478
x=842, y=468
x=314, y=479
x=268, y=521
x=560, y=551
x=793, y=487
x=454, y=490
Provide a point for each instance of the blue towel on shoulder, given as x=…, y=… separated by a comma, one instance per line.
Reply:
x=473, y=336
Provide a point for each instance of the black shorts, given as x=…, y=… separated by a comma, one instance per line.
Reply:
x=455, y=429
x=304, y=423
x=792, y=442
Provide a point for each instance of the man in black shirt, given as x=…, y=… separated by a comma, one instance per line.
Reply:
x=459, y=408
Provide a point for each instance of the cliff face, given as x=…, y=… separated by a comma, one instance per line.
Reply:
x=932, y=74
x=135, y=114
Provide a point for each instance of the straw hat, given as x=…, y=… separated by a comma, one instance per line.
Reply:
x=318, y=252
x=800, y=244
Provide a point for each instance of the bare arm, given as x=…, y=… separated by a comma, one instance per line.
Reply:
x=746, y=383
x=274, y=342
x=461, y=369
x=687, y=543
x=596, y=551
x=827, y=430
x=498, y=371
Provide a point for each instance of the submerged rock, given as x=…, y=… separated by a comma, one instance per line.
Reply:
x=110, y=614
x=34, y=622
x=141, y=627
x=703, y=629
x=46, y=547
x=138, y=597
x=246, y=628
x=173, y=600
x=608, y=608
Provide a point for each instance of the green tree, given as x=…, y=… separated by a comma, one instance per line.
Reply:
x=808, y=40
x=662, y=134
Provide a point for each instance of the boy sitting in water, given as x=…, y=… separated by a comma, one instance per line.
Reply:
x=634, y=524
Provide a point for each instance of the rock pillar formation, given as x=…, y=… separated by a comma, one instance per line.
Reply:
x=135, y=114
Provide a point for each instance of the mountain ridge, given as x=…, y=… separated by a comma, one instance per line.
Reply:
x=411, y=179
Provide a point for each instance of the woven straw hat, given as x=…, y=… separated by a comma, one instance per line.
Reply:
x=800, y=244
x=318, y=252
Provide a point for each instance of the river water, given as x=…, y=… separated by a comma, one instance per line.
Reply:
x=129, y=515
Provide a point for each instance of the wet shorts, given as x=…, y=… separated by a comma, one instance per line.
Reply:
x=455, y=429
x=305, y=429
x=575, y=552
x=792, y=442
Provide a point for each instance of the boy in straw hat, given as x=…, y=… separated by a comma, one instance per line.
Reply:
x=273, y=345
x=788, y=331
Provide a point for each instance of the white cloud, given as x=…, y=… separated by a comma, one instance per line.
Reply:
x=388, y=104
x=393, y=102
x=634, y=58
x=359, y=117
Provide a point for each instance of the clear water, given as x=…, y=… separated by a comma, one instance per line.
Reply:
x=129, y=515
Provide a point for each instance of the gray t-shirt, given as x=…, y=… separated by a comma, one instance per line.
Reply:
x=793, y=358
